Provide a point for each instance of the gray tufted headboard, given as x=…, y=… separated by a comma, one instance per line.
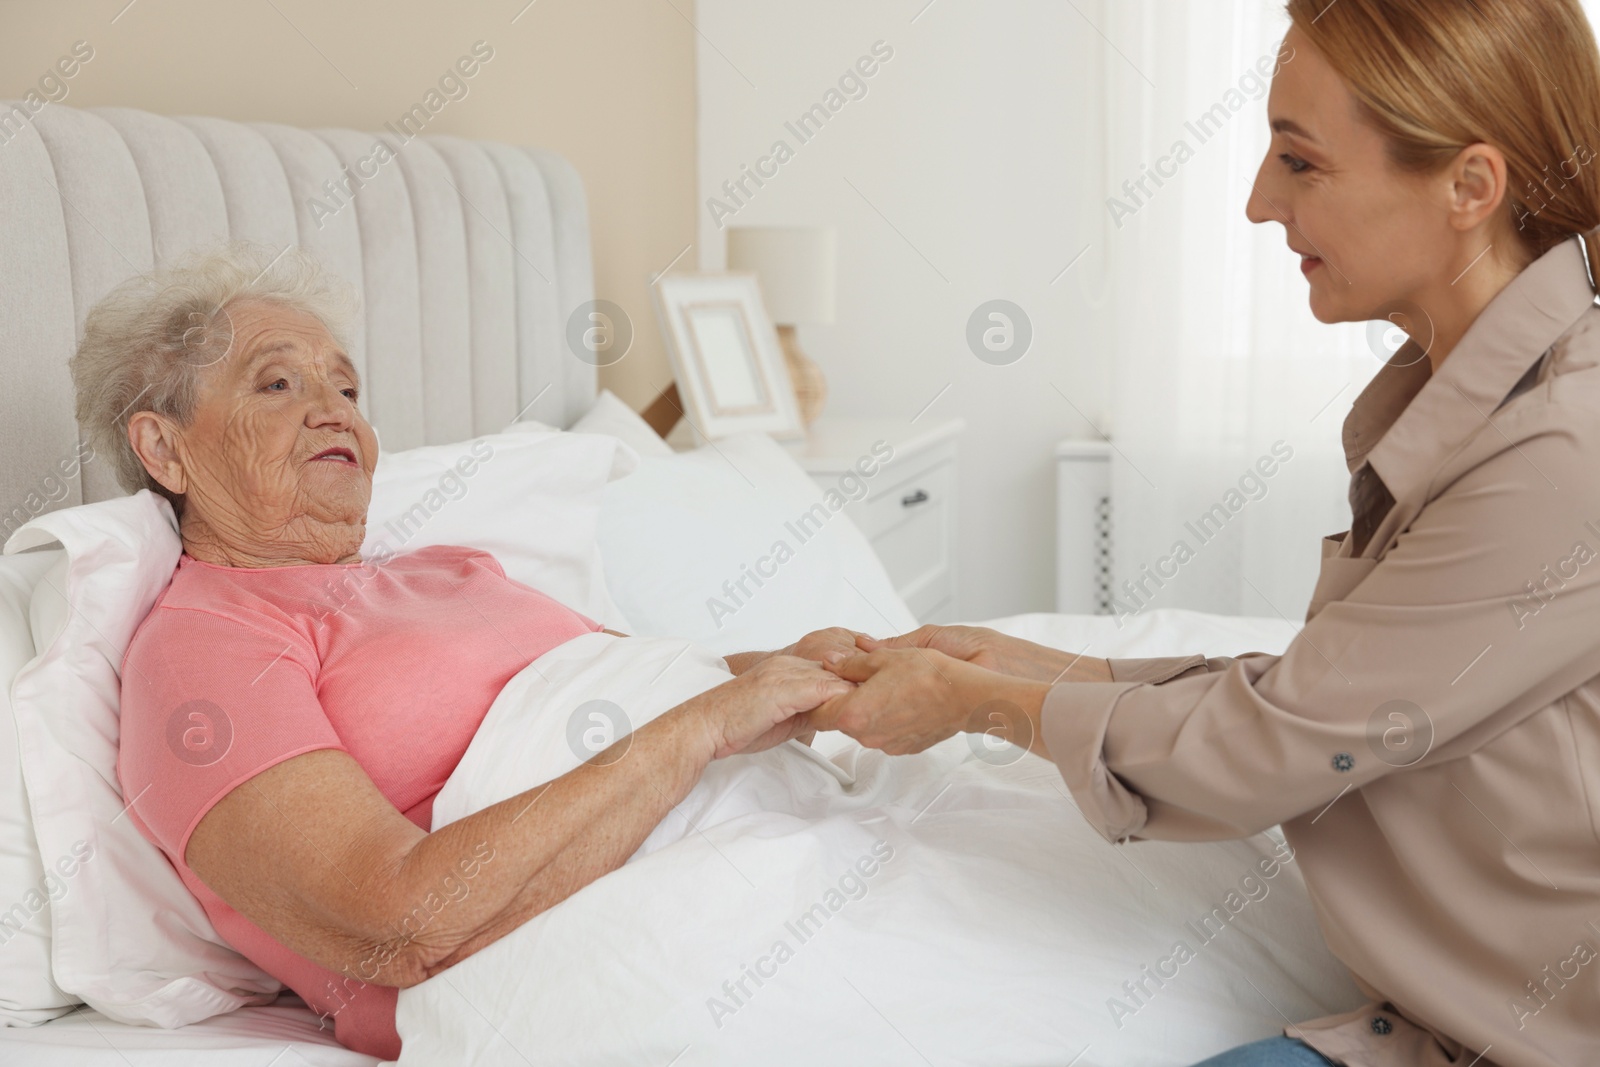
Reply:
x=470, y=257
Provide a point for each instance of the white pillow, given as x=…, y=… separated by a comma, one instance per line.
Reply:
x=679, y=533
x=529, y=496
x=127, y=936
x=610, y=415
x=28, y=992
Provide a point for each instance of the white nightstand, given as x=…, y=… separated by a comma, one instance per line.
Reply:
x=909, y=509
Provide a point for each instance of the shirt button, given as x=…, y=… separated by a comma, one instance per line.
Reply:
x=1381, y=1026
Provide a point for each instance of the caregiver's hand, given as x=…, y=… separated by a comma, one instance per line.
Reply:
x=1000, y=652
x=907, y=699
x=766, y=705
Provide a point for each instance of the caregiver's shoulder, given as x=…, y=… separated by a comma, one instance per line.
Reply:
x=1560, y=413
x=1575, y=363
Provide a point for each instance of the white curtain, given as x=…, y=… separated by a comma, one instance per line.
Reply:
x=1217, y=356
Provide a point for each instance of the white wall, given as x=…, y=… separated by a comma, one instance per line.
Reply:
x=977, y=142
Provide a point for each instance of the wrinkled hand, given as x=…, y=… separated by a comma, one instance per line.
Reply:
x=766, y=705
x=995, y=651
x=907, y=699
x=818, y=643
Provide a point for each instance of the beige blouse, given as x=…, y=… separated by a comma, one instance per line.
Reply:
x=1430, y=742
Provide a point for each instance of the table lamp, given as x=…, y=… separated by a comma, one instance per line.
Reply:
x=794, y=266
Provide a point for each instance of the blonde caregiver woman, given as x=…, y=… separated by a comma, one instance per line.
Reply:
x=1431, y=742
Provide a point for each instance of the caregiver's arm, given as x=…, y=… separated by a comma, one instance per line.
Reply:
x=312, y=853
x=988, y=648
x=1217, y=754
x=1026, y=659
x=1000, y=652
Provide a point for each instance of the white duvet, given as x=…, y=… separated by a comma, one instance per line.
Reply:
x=946, y=908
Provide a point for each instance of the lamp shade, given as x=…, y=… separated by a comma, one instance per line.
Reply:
x=795, y=266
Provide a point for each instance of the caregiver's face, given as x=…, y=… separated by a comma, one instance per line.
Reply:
x=1365, y=230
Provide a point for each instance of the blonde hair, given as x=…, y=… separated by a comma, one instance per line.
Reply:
x=147, y=342
x=1434, y=76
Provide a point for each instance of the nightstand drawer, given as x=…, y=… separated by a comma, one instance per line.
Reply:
x=909, y=521
x=908, y=510
x=900, y=496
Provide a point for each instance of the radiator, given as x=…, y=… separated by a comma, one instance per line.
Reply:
x=1085, y=527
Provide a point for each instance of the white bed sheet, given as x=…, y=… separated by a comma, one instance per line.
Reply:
x=988, y=890
x=282, y=1034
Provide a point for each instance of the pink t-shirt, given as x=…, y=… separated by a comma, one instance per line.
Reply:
x=237, y=669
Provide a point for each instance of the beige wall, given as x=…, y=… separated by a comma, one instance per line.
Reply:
x=610, y=84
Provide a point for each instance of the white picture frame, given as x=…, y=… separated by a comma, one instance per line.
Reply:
x=726, y=356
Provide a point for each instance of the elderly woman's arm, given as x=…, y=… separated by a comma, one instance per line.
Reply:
x=312, y=853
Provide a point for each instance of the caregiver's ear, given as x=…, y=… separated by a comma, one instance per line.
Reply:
x=154, y=440
x=1478, y=185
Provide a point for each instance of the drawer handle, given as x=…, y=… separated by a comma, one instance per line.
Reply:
x=913, y=499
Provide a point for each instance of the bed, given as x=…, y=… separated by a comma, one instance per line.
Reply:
x=472, y=258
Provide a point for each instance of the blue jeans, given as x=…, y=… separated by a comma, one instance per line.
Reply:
x=1273, y=1052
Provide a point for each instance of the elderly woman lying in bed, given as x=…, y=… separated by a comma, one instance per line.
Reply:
x=223, y=386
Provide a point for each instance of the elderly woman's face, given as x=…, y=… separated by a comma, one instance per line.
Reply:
x=277, y=462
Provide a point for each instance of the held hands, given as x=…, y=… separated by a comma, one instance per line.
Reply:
x=817, y=644
x=766, y=705
x=996, y=651
x=905, y=699
x=813, y=646
x=917, y=689
x=901, y=694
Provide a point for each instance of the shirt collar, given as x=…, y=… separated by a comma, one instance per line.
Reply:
x=1408, y=420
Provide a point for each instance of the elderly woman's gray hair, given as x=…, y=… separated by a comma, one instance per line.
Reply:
x=146, y=345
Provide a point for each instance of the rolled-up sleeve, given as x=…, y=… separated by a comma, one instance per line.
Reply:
x=1162, y=668
x=1448, y=628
